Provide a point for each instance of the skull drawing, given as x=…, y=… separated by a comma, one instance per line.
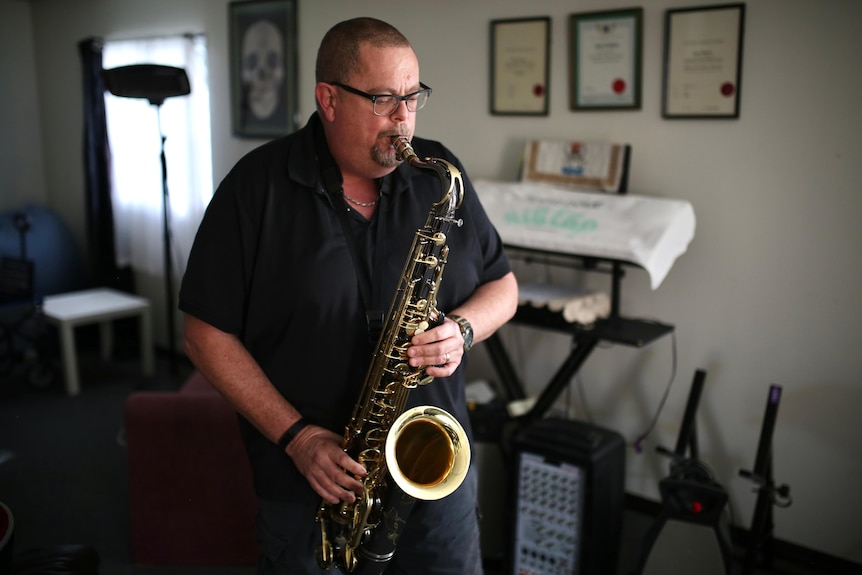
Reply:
x=262, y=68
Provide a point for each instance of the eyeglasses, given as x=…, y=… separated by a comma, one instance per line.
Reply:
x=386, y=104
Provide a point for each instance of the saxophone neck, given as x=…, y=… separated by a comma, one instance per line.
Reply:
x=450, y=176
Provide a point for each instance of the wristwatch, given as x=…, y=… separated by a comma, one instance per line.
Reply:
x=466, y=330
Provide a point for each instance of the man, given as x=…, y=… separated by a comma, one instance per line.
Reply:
x=278, y=304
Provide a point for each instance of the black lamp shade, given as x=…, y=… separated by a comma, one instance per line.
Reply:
x=149, y=81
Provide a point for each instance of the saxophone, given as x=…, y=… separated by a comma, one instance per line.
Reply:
x=421, y=453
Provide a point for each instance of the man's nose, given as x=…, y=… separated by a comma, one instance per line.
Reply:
x=401, y=112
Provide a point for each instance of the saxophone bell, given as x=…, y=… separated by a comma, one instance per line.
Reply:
x=427, y=452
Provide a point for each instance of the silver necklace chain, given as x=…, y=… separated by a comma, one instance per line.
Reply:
x=362, y=204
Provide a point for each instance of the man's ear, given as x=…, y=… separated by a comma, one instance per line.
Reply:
x=325, y=94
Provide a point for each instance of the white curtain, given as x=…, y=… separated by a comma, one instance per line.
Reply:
x=135, y=139
x=135, y=130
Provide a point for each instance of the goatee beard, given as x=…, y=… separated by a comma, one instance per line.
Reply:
x=384, y=155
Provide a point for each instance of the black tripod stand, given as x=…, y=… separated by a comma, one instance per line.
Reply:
x=155, y=83
x=759, y=548
x=691, y=498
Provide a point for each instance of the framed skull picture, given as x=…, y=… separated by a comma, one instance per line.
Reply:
x=263, y=67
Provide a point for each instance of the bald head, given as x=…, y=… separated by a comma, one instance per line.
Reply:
x=338, y=55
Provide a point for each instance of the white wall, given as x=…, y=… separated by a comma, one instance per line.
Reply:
x=21, y=146
x=768, y=291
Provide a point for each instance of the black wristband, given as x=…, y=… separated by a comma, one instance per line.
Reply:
x=291, y=432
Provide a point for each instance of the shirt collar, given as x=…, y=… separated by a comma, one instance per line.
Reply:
x=301, y=164
x=303, y=168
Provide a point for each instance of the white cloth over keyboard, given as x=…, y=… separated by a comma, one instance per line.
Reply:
x=646, y=231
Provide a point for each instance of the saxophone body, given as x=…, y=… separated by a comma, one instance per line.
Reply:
x=421, y=453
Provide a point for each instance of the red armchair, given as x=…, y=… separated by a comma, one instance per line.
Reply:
x=191, y=496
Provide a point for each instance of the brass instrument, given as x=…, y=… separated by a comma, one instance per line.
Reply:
x=421, y=453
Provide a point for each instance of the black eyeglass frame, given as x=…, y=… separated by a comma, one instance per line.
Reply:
x=373, y=97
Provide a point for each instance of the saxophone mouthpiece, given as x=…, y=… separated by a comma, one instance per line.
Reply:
x=403, y=149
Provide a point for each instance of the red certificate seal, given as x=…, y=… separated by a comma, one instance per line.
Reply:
x=728, y=89
x=619, y=86
x=538, y=90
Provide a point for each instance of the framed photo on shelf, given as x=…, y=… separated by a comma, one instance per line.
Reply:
x=605, y=56
x=263, y=67
x=703, y=61
x=520, y=58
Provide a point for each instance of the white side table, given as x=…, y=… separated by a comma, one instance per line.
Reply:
x=101, y=305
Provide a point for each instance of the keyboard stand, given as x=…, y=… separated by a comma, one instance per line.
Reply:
x=613, y=329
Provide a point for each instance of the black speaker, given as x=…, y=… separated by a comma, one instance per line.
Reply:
x=152, y=82
x=569, y=498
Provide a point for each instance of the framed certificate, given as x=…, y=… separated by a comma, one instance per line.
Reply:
x=605, y=60
x=520, y=54
x=703, y=61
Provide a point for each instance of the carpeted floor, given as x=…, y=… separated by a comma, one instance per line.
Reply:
x=63, y=471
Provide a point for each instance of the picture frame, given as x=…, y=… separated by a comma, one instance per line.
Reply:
x=520, y=66
x=606, y=60
x=703, y=61
x=263, y=67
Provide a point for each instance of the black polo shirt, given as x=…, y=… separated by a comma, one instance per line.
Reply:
x=270, y=264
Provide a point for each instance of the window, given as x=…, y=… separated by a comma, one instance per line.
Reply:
x=135, y=130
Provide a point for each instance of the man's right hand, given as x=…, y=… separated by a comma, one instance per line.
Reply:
x=318, y=455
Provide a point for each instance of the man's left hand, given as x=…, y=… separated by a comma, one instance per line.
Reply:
x=441, y=349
